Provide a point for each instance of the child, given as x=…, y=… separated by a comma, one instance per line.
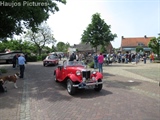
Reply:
x=2, y=89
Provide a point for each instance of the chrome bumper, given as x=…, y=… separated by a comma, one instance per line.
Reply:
x=88, y=84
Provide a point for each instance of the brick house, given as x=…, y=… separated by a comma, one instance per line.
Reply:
x=130, y=44
x=82, y=47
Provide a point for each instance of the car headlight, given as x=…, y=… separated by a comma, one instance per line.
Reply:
x=78, y=72
x=94, y=72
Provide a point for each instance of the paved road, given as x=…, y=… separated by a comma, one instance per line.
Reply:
x=126, y=95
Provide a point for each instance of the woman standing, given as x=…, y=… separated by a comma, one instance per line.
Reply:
x=100, y=62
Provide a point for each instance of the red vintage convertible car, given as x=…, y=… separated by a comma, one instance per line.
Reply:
x=77, y=76
x=51, y=60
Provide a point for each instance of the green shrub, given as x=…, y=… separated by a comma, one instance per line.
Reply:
x=43, y=56
x=39, y=58
x=91, y=64
x=32, y=58
x=3, y=70
x=156, y=58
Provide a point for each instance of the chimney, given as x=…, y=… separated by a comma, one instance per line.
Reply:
x=145, y=36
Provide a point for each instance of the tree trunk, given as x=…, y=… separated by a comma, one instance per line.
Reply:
x=96, y=49
x=39, y=51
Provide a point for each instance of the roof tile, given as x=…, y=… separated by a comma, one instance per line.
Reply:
x=132, y=42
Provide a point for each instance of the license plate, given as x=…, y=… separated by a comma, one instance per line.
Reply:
x=90, y=87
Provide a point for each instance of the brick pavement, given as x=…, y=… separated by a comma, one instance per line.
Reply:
x=148, y=86
x=40, y=98
x=121, y=69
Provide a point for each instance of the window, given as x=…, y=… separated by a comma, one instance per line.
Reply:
x=140, y=44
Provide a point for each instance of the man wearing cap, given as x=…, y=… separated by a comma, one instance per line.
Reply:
x=21, y=62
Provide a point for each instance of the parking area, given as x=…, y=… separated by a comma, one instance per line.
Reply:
x=129, y=93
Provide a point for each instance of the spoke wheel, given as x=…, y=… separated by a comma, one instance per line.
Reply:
x=99, y=86
x=55, y=77
x=71, y=90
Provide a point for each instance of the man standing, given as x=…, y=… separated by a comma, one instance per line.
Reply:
x=21, y=62
x=72, y=57
x=14, y=60
x=95, y=58
x=144, y=58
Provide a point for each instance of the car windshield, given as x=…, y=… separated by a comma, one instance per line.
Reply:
x=74, y=63
x=52, y=57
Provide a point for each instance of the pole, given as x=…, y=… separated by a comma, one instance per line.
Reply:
x=159, y=46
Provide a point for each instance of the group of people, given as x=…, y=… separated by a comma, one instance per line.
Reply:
x=132, y=57
x=98, y=60
x=19, y=61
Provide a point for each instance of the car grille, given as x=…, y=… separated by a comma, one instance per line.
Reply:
x=86, y=74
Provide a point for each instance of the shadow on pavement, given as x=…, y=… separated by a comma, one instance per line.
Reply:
x=120, y=65
x=85, y=93
x=121, y=84
x=107, y=74
x=11, y=98
x=90, y=93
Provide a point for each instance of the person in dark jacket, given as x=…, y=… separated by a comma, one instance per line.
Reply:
x=72, y=57
x=14, y=60
x=95, y=61
x=26, y=57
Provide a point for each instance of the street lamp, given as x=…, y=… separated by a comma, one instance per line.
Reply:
x=159, y=46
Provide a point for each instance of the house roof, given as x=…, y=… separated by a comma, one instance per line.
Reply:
x=133, y=42
x=83, y=47
x=87, y=47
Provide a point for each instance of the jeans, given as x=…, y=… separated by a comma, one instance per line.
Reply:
x=22, y=67
x=95, y=65
x=100, y=67
x=133, y=60
x=126, y=60
x=14, y=64
x=144, y=59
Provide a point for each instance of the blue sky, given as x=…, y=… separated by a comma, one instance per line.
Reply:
x=128, y=18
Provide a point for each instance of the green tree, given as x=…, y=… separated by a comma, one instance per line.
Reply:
x=41, y=38
x=154, y=45
x=67, y=46
x=26, y=14
x=103, y=49
x=16, y=45
x=97, y=33
x=62, y=47
x=139, y=48
x=54, y=48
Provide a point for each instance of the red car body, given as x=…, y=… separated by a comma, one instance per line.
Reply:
x=51, y=60
x=77, y=76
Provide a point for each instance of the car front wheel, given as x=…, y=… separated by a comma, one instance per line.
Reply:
x=71, y=90
x=99, y=86
x=55, y=77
